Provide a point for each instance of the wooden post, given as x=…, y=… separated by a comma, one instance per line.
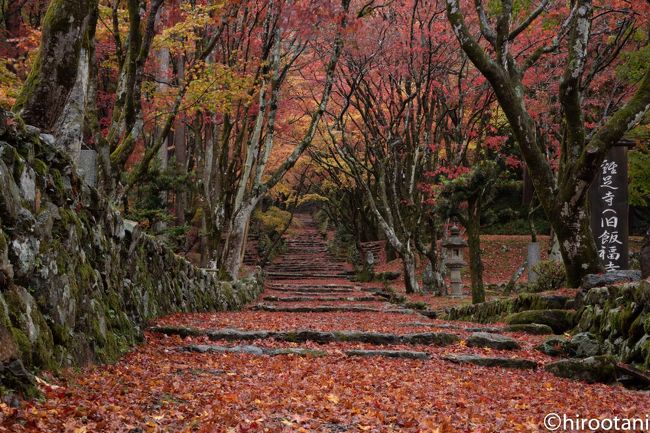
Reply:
x=608, y=202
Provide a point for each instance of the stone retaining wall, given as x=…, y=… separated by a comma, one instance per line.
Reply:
x=619, y=316
x=76, y=285
x=493, y=311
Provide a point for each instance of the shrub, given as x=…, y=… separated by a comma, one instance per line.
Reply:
x=550, y=276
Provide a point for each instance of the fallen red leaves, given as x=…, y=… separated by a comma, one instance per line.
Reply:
x=157, y=388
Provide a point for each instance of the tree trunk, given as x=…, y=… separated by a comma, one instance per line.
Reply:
x=410, y=274
x=237, y=239
x=474, y=241
x=180, y=150
x=162, y=75
x=576, y=241
x=54, y=95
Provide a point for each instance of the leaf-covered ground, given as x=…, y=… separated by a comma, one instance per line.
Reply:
x=161, y=387
x=158, y=388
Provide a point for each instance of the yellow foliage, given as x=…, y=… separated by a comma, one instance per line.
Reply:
x=184, y=34
x=311, y=198
x=216, y=87
x=274, y=219
x=282, y=189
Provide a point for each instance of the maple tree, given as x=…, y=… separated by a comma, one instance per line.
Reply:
x=514, y=45
x=216, y=122
x=381, y=129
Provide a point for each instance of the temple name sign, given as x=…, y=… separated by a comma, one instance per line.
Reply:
x=608, y=198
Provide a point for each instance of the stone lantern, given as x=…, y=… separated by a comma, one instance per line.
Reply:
x=454, y=259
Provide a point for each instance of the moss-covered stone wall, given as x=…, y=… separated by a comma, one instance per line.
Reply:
x=76, y=284
x=494, y=311
x=619, y=316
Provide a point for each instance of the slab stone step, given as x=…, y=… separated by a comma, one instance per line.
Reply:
x=517, y=363
x=530, y=328
x=492, y=329
x=301, y=276
x=299, y=336
x=331, y=309
x=299, y=351
x=493, y=341
x=306, y=290
x=254, y=350
x=322, y=298
x=402, y=354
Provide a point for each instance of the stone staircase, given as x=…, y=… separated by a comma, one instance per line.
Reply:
x=307, y=281
x=307, y=284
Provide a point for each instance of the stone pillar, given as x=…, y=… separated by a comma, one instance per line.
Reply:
x=608, y=199
x=533, y=260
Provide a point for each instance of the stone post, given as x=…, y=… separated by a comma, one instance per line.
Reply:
x=533, y=260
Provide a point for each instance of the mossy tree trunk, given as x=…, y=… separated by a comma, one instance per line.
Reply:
x=410, y=272
x=55, y=94
x=564, y=201
x=473, y=225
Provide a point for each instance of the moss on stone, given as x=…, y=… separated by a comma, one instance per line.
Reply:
x=625, y=319
x=22, y=341
x=44, y=343
x=39, y=167
x=559, y=320
x=596, y=369
x=57, y=180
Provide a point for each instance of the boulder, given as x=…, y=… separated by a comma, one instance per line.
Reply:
x=599, y=280
x=523, y=364
x=530, y=328
x=553, y=346
x=559, y=320
x=595, y=369
x=493, y=341
x=584, y=345
x=15, y=376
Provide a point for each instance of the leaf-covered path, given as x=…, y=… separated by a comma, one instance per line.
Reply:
x=318, y=353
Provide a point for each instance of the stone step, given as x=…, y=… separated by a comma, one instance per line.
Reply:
x=492, y=341
x=315, y=286
x=318, y=298
x=331, y=309
x=530, y=328
x=312, y=291
x=484, y=361
x=300, y=351
x=300, y=276
x=299, y=336
x=253, y=350
x=450, y=326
